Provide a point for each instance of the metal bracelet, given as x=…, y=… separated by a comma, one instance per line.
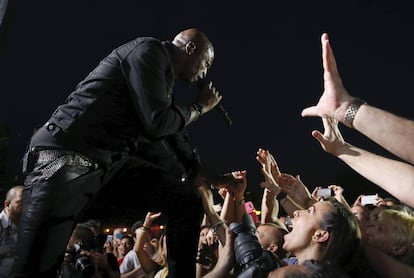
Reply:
x=352, y=110
x=198, y=108
x=239, y=202
x=215, y=227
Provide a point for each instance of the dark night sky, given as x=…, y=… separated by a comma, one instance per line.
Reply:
x=267, y=67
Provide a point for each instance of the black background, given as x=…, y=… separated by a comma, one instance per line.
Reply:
x=267, y=67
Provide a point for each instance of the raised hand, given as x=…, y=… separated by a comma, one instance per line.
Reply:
x=233, y=182
x=314, y=193
x=150, y=217
x=337, y=190
x=296, y=190
x=270, y=169
x=335, y=99
x=331, y=140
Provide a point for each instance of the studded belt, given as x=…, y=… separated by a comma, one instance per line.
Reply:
x=56, y=159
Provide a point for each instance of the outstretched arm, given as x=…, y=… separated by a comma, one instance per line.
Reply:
x=394, y=176
x=386, y=266
x=142, y=236
x=212, y=215
x=392, y=132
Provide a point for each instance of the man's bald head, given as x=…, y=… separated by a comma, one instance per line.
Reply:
x=193, y=55
x=191, y=34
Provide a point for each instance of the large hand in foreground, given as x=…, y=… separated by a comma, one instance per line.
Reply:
x=335, y=99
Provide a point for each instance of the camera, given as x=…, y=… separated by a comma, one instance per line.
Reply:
x=84, y=266
x=254, y=262
x=81, y=263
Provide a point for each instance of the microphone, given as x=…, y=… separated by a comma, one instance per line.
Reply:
x=201, y=84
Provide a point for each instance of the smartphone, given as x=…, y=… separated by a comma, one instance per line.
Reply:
x=324, y=192
x=109, y=238
x=249, y=206
x=369, y=200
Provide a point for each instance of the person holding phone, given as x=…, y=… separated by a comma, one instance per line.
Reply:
x=109, y=238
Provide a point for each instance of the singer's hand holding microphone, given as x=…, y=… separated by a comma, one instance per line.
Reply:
x=208, y=98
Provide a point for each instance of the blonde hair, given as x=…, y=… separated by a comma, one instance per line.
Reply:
x=160, y=258
x=401, y=225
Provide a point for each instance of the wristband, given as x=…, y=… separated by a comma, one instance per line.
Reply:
x=198, y=108
x=239, y=202
x=145, y=229
x=352, y=110
x=215, y=227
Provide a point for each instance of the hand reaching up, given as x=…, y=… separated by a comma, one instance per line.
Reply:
x=296, y=190
x=270, y=169
x=335, y=99
x=234, y=182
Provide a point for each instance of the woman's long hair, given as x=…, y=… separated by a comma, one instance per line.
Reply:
x=343, y=247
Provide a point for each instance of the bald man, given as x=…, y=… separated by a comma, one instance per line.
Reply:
x=9, y=221
x=120, y=127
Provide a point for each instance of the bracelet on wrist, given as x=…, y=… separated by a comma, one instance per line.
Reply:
x=239, y=202
x=216, y=226
x=145, y=229
x=352, y=110
x=198, y=108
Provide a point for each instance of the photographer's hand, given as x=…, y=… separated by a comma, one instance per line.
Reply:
x=206, y=256
x=225, y=262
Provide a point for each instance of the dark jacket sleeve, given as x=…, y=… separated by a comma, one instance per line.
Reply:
x=186, y=155
x=149, y=75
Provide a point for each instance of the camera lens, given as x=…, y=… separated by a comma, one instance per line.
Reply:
x=246, y=248
x=254, y=262
x=84, y=266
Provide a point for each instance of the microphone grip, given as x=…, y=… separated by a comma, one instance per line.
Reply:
x=203, y=82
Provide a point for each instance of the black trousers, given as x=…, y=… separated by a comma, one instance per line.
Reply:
x=52, y=207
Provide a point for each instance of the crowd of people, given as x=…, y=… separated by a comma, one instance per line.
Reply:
x=121, y=126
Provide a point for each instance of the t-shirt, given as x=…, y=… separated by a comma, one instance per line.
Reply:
x=291, y=260
x=131, y=262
